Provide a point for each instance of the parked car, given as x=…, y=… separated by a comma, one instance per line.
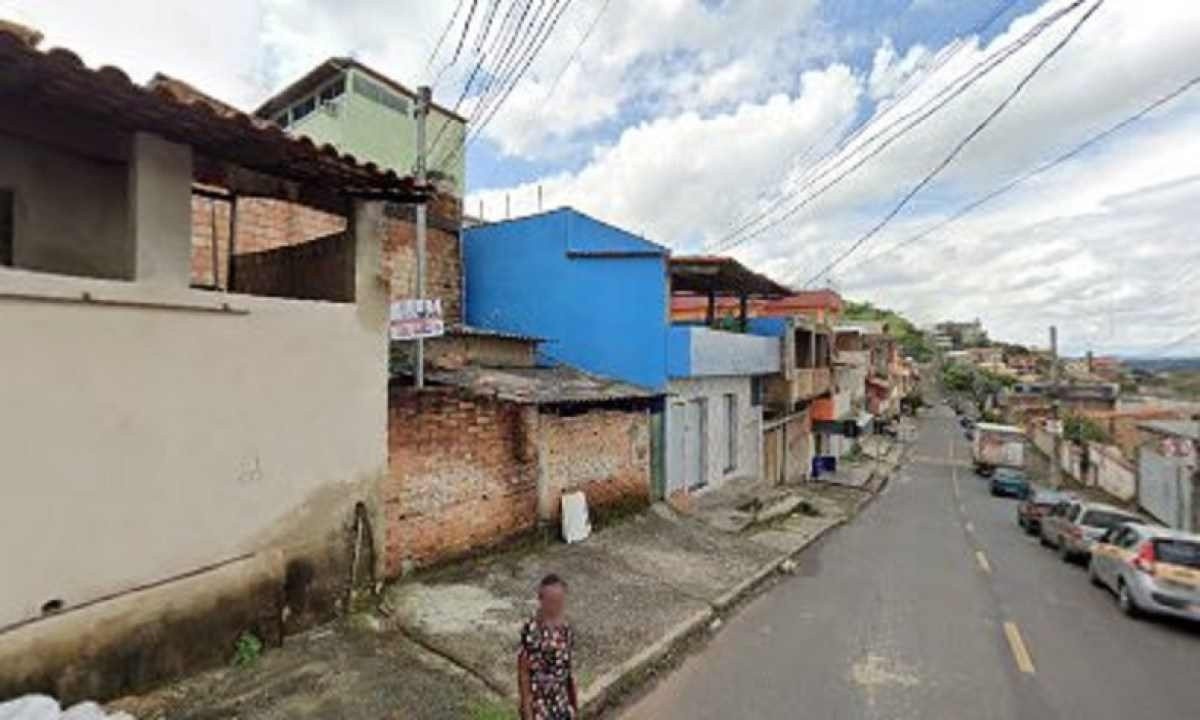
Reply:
x=1150, y=569
x=1009, y=482
x=1072, y=529
x=1035, y=505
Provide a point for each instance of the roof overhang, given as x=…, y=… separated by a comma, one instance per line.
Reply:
x=232, y=150
x=711, y=275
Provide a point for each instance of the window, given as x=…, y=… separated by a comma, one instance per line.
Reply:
x=731, y=428
x=303, y=108
x=7, y=223
x=1104, y=519
x=333, y=90
x=1178, y=552
x=758, y=388
x=282, y=119
x=377, y=93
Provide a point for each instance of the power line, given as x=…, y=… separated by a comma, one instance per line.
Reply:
x=445, y=32
x=516, y=36
x=1029, y=76
x=479, y=63
x=1044, y=167
x=523, y=33
x=537, y=41
x=575, y=53
x=934, y=65
x=532, y=51
x=911, y=119
x=462, y=39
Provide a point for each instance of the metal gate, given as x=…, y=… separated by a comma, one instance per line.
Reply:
x=1164, y=489
x=688, y=450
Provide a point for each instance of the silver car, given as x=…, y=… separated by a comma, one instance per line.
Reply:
x=1151, y=570
x=1072, y=527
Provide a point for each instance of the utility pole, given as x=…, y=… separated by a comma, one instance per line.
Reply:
x=1055, y=462
x=424, y=96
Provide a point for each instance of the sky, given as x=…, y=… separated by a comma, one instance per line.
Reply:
x=685, y=120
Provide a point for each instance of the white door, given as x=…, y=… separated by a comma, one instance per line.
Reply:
x=676, y=432
x=695, y=447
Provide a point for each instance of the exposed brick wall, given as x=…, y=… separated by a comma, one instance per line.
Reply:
x=264, y=224
x=462, y=475
x=443, y=263
x=321, y=269
x=604, y=453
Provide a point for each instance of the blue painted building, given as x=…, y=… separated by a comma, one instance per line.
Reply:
x=598, y=294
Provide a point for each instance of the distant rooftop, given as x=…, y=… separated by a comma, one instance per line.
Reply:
x=1182, y=428
x=704, y=274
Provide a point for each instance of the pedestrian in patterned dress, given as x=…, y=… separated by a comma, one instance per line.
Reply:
x=546, y=684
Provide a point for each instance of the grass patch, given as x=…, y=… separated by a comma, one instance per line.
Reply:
x=491, y=710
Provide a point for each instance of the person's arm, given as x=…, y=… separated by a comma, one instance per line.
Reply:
x=523, y=686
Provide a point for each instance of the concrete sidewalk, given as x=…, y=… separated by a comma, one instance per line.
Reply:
x=443, y=645
x=637, y=589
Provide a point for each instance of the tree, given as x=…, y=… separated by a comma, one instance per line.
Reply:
x=1081, y=429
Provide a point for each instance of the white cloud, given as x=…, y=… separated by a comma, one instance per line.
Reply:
x=674, y=177
x=1101, y=231
x=686, y=110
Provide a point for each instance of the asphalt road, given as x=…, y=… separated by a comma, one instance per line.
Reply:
x=933, y=604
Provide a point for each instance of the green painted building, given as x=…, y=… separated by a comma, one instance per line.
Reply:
x=367, y=114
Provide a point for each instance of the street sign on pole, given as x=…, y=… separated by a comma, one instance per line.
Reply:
x=416, y=318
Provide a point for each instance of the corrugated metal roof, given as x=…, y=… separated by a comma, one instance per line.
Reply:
x=1183, y=428
x=720, y=276
x=473, y=331
x=540, y=385
x=57, y=80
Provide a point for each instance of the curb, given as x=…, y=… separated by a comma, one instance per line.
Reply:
x=598, y=695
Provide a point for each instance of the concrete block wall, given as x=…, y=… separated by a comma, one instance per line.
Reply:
x=463, y=476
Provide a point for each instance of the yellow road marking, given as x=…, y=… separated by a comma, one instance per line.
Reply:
x=1019, y=651
x=984, y=565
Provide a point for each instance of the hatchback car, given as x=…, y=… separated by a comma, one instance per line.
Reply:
x=1072, y=529
x=1150, y=569
x=1009, y=482
x=1035, y=505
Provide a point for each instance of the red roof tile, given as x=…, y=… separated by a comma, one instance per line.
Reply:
x=57, y=80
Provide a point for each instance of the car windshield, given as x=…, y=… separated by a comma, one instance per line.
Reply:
x=1009, y=475
x=1104, y=519
x=1178, y=552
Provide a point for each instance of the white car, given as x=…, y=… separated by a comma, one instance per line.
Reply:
x=1151, y=569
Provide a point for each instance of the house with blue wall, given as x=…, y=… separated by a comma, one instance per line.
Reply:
x=596, y=293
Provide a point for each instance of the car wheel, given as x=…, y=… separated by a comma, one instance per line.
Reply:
x=1093, y=577
x=1043, y=541
x=1126, y=602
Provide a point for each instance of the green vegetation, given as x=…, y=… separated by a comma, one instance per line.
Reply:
x=978, y=385
x=912, y=341
x=247, y=650
x=491, y=710
x=1079, y=429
